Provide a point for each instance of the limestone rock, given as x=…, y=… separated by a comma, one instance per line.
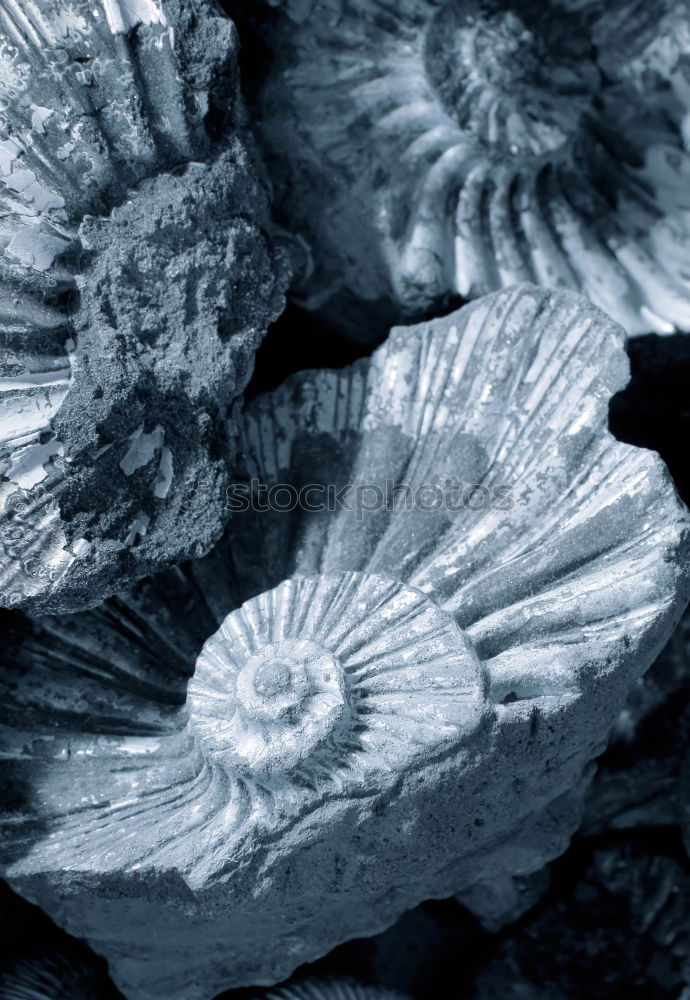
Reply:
x=135, y=282
x=501, y=901
x=431, y=149
x=384, y=701
x=639, y=780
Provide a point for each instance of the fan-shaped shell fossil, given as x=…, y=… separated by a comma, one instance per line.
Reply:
x=135, y=286
x=383, y=701
x=460, y=146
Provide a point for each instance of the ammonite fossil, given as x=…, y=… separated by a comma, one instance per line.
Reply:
x=135, y=284
x=386, y=697
x=430, y=149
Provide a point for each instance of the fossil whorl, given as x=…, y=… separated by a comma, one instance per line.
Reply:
x=324, y=701
x=339, y=678
x=324, y=688
x=135, y=286
x=448, y=148
x=383, y=703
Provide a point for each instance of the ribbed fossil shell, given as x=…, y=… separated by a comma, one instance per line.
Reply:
x=320, y=681
x=329, y=989
x=40, y=962
x=384, y=703
x=52, y=976
x=135, y=286
x=453, y=147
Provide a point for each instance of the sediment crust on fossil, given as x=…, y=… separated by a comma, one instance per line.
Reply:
x=384, y=706
x=135, y=286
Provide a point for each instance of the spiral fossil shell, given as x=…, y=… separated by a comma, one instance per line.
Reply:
x=135, y=286
x=315, y=689
x=383, y=704
x=460, y=146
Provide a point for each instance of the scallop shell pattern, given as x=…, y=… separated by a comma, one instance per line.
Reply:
x=112, y=191
x=467, y=146
x=360, y=679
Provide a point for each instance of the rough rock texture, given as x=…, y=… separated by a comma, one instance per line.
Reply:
x=135, y=283
x=619, y=928
x=640, y=783
x=388, y=705
x=501, y=901
x=429, y=149
x=639, y=780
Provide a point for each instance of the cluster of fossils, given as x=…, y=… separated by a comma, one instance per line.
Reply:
x=235, y=734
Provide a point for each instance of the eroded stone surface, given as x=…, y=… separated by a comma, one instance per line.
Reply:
x=448, y=149
x=640, y=779
x=388, y=705
x=137, y=285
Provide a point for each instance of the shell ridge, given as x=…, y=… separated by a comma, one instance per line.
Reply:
x=518, y=126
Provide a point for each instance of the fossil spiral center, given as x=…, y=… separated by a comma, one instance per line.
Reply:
x=327, y=676
x=277, y=683
x=518, y=75
x=273, y=677
x=274, y=708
